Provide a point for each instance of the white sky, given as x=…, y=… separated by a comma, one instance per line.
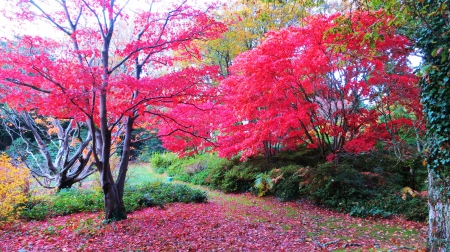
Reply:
x=9, y=29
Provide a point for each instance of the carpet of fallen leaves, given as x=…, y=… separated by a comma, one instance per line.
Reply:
x=226, y=223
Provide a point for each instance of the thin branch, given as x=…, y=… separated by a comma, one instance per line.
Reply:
x=49, y=18
x=20, y=83
x=41, y=184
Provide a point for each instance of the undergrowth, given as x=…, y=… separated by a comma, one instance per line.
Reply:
x=369, y=184
x=69, y=201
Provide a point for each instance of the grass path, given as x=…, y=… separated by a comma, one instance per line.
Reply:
x=227, y=222
x=325, y=229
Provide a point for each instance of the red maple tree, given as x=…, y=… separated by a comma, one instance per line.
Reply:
x=327, y=85
x=113, y=69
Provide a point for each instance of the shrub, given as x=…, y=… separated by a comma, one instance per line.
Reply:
x=159, y=193
x=14, y=185
x=34, y=210
x=66, y=201
x=361, y=194
x=288, y=188
x=161, y=161
x=239, y=178
x=145, y=150
x=203, y=169
x=69, y=201
x=263, y=184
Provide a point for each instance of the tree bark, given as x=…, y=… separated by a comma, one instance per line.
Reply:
x=124, y=161
x=114, y=206
x=67, y=184
x=439, y=217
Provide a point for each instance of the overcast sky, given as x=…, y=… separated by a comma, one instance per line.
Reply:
x=9, y=29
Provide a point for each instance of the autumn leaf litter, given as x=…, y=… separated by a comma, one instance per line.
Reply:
x=226, y=223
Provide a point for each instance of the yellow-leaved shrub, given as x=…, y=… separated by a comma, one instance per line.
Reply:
x=14, y=185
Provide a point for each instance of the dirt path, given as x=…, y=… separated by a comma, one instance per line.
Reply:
x=227, y=223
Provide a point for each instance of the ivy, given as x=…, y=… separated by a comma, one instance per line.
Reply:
x=432, y=38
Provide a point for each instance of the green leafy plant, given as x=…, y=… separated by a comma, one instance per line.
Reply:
x=70, y=201
x=263, y=184
x=161, y=161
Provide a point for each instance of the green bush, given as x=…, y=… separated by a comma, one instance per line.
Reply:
x=159, y=193
x=263, y=184
x=361, y=193
x=288, y=188
x=70, y=201
x=302, y=157
x=34, y=210
x=282, y=182
x=203, y=169
x=362, y=185
x=145, y=150
x=161, y=161
x=238, y=180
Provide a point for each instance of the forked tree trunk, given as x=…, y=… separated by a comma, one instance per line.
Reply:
x=112, y=196
x=113, y=192
x=439, y=217
x=114, y=206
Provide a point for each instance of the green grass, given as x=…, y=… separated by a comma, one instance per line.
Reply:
x=142, y=188
x=142, y=173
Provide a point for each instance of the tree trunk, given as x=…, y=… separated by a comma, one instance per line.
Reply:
x=113, y=201
x=67, y=184
x=431, y=37
x=114, y=206
x=439, y=217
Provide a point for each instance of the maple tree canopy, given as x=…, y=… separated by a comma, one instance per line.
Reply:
x=115, y=69
x=330, y=85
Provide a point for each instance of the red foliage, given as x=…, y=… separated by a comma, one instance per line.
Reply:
x=139, y=78
x=47, y=75
x=325, y=85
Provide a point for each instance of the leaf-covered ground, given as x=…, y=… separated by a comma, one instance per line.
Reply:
x=226, y=223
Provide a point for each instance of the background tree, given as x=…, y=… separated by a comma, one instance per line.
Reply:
x=248, y=22
x=109, y=83
x=64, y=155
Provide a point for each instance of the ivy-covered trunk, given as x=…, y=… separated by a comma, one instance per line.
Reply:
x=433, y=39
x=439, y=218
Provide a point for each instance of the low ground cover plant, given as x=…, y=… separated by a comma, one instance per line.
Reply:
x=69, y=201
